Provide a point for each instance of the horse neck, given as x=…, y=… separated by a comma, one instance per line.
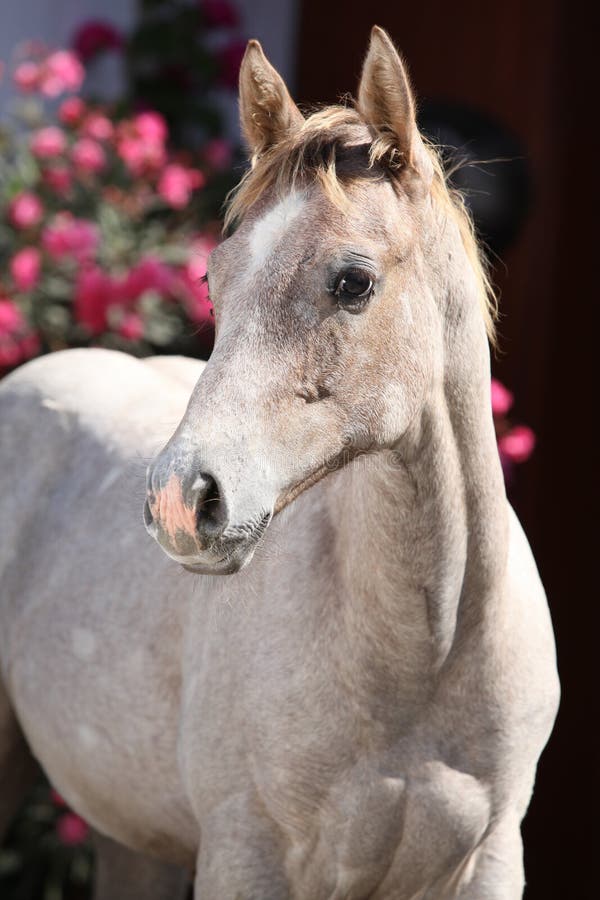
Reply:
x=422, y=532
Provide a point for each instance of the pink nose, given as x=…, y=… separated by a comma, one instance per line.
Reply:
x=184, y=521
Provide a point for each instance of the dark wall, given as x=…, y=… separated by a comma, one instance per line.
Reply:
x=528, y=64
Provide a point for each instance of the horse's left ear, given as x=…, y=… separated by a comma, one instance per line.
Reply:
x=267, y=112
x=385, y=98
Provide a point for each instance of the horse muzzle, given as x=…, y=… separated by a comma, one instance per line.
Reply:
x=198, y=522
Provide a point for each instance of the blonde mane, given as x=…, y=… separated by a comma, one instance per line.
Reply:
x=312, y=153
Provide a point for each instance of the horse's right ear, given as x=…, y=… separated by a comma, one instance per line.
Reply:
x=267, y=112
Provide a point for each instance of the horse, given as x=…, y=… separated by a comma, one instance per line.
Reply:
x=325, y=667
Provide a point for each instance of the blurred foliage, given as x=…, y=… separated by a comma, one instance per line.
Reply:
x=104, y=233
x=47, y=853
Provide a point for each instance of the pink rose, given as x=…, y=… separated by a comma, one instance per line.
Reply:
x=151, y=126
x=518, y=444
x=17, y=341
x=229, y=58
x=25, y=268
x=176, y=184
x=218, y=153
x=88, y=156
x=219, y=13
x=48, y=142
x=141, y=157
x=11, y=318
x=71, y=111
x=10, y=353
x=98, y=127
x=25, y=210
x=27, y=77
x=94, y=293
x=59, y=179
x=132, y=327
x=95, y=36
x=502, y=399
x=67, y=236
x=61, y=72
x=148, y=274
x=71, y=829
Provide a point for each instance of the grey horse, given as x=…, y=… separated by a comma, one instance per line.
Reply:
x=329, y=671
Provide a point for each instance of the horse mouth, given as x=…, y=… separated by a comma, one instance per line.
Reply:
x=232, y=550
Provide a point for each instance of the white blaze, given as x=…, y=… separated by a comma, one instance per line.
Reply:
x=270, y=230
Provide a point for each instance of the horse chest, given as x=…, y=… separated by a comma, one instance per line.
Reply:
x=379, y=835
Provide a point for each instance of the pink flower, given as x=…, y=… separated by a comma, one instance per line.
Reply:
x=17, y=341
x=10, y=353
x=48, y=142
x=71, y=829
x=502, y=399
x=94, y=293
x=67, y=236
x=132, y=327
x=11, y=318
x=27, y=77
x=58, y=178
x=61, y=72
x=95, y=36
x=149, y=274
x=98, y=127
x=71, y=111
x=25, y=210
x=229, y=58
x=218, y=153
x=518, y=444
x=151, y=126
x=176, y=184
x=219, y=13
x=25, y=268
x=141, y=157
x=88, y=156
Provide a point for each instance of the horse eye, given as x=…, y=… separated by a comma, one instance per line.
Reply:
x=353, y=289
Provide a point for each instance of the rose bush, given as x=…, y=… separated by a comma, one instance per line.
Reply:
x=107, y=215
x=104, y=229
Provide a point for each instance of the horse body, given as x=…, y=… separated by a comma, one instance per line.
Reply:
x=359, y=712
x=261, y=702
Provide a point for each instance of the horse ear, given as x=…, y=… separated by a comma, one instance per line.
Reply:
x=385, y=98
x=267, y=112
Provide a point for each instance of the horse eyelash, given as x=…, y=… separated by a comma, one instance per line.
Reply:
x=204, y=280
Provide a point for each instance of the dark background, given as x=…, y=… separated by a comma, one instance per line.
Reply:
x=529, y=65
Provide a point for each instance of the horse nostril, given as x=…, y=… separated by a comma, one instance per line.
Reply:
x=208, y=502
x=148, y=517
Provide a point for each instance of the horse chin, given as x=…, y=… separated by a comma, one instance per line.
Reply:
x=227, y=565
